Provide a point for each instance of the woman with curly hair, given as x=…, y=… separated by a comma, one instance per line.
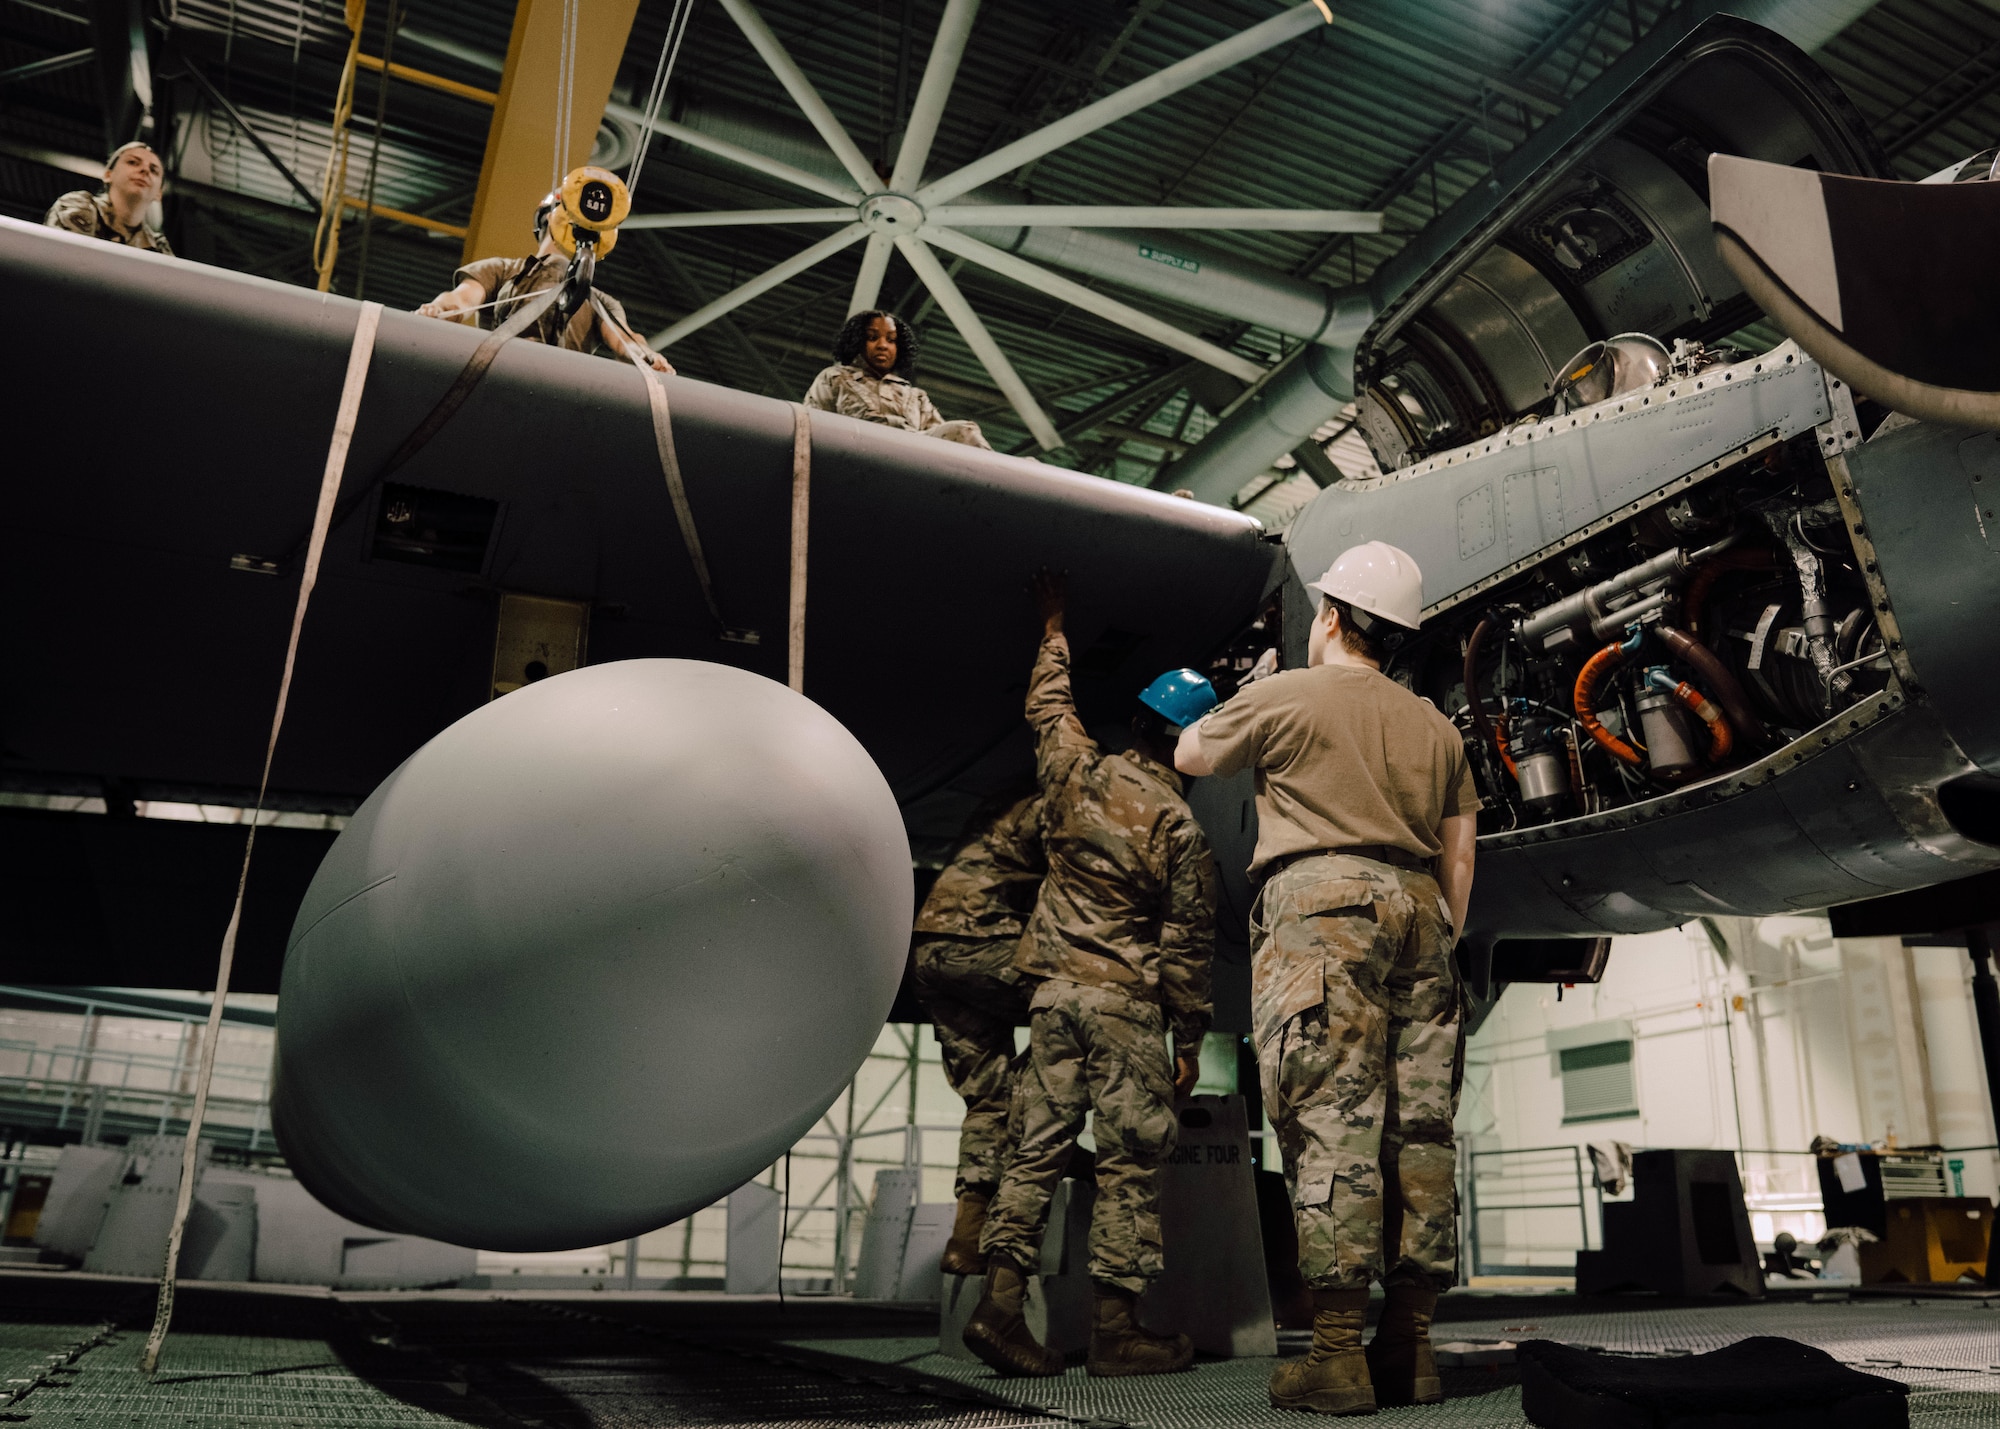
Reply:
x=869, y=379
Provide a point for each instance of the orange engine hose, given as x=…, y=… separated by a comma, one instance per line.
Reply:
x=1595, y=669
x=1500, y=742
x=1720, y=740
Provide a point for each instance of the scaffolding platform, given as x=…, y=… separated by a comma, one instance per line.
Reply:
x=264, y=1356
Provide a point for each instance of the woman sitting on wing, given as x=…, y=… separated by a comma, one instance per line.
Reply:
x=869, y=379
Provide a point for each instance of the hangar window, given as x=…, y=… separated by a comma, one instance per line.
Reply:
x=1597, y=1082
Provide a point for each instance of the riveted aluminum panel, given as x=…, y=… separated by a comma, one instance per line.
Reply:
x=1560, y=480
x=1927, y=494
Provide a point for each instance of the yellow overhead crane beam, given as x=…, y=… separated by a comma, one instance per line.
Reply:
x=520, y=147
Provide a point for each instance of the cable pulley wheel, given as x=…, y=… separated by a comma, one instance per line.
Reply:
x=563, y=229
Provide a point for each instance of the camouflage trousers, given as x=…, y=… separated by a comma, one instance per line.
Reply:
x=1090, y=1050
x=976, y=999
x=1356, y=1007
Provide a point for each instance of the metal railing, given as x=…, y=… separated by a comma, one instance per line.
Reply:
x=848, y=1195
x=92, y=1088
x=1552, y=1179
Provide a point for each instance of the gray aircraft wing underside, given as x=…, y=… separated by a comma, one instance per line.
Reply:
x=177, y=417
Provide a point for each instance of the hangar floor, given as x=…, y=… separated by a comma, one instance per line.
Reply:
x=69, y=1347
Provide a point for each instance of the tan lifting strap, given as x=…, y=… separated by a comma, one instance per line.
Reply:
x=670, y=468
x=454, y=397
x=329, y=488
x=795, y=637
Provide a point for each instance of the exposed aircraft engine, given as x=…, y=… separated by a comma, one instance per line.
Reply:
x=1710, y=624
x=591, y=958
x=1689, y=640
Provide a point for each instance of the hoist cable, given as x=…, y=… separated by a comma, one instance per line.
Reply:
x=565, y=92
x=670, y=51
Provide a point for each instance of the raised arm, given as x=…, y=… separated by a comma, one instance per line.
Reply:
x=1189, y=757
x=1187, y=948
x=615, y=333
x=1060, y=740
x=450, y=305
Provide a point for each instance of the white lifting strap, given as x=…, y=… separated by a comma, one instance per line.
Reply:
x=329, y=489
x=670, y=468
x=795, y=638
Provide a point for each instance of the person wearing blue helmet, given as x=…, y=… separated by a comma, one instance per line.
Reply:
x=1120, y=940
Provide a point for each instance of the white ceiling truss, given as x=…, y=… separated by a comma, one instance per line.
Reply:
x=910, y=216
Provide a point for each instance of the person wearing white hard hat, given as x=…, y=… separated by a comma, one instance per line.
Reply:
x=1366, y=816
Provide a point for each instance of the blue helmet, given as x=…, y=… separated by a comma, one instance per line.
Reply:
x=1180, y=697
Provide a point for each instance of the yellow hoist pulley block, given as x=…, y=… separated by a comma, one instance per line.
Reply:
x=593, y=199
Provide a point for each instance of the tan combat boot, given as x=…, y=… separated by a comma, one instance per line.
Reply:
x=1400, y=1361
x=961, y=1252
x=998, y=1330
x=1333, y=1376
x=1119, y=1344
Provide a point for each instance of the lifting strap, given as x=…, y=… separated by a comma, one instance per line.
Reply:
x=670, y=468
x=468, y=378
x=795, y=640
x=454, y=397
x=329, y=488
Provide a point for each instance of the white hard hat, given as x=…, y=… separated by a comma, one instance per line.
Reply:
x=1377, y=578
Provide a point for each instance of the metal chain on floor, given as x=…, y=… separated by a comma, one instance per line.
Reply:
x=358, y=358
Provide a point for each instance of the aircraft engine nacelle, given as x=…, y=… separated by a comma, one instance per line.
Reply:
x=592, y=957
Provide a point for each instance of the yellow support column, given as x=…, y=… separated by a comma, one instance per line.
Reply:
x=520, y=148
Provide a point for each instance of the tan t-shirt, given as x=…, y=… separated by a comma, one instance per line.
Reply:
x=1345, y=757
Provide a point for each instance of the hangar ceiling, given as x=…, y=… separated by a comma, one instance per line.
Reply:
x=1397, y=105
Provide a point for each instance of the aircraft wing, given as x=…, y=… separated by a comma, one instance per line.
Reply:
x=172, y=435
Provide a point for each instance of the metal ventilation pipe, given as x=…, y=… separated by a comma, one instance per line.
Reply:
x=1310, y=390
x=1181, y=270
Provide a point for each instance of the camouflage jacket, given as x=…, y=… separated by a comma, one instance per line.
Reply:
x=988, y=888
x=82, y=211
x=854, y=391
x=1129, y=901
x=509, y=281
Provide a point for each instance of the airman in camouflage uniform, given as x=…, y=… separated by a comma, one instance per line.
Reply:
x=1121, y=935
x=1366, y=821
x=966, y=936
x=889, y=399
x=132, y=179
x=873, y=355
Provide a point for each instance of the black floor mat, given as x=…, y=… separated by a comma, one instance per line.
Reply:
x=1759, y=1383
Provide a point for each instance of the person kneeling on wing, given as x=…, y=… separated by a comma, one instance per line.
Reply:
x=497, y=286
x=872, y=357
